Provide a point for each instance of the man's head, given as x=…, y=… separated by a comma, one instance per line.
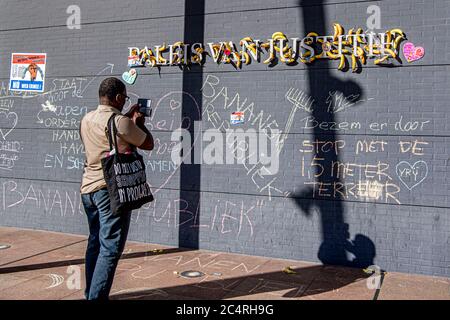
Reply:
x=113, y=92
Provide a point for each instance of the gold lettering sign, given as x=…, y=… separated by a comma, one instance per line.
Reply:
x=352, y=49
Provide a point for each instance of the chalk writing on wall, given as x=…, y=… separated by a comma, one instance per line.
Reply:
x=231, y=218
x=49, y=201
x=10, y=148
x=166, y=117
x=217, y=96
x=379, y=181
x=64, y=121
x=54, y=113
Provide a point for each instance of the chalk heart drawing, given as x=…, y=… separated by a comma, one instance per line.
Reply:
x=412, y=175
x=173, y=101
x=7, y=120
x=413, y=53
x=174, y=104
x=129, y=76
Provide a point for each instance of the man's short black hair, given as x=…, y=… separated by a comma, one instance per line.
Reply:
x=110, y=87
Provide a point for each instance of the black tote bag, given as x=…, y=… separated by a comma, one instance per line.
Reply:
x=125, y=176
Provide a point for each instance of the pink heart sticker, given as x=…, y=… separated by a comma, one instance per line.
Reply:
x=413, y=53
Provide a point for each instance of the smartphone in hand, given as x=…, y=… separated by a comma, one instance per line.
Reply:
x=145, y=107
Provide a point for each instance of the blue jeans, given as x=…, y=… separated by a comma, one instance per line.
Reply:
x=107, y=236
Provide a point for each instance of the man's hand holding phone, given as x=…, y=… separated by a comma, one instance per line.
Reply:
x=135, y=115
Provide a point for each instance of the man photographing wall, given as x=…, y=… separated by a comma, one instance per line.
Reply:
x=107, y=232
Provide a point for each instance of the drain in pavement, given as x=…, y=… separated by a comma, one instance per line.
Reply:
x=192, y=274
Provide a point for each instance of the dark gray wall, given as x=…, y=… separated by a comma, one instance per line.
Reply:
x=238, y=211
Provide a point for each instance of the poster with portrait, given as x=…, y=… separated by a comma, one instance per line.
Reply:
x=27, y=72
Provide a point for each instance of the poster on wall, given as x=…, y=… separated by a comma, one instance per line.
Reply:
x=27, y=72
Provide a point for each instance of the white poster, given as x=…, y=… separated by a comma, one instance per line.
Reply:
x=27, y=72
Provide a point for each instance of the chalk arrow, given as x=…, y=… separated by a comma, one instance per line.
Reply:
x=108, y=66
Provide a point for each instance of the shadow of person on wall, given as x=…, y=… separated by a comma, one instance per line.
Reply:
x=336, y=243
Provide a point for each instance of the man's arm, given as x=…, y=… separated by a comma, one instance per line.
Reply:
x=139, y=120
x=148, y=142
